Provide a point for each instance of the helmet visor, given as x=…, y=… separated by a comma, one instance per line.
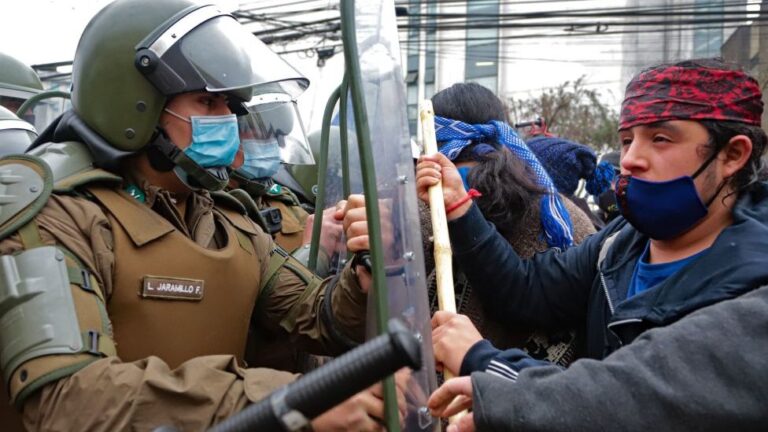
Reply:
x=274, y=118
x=206, y=49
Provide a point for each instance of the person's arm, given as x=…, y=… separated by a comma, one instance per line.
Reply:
x=484, y=357
x=325, y=316
x=549, y=290
x=460, y=349
x=111, y=395
x=91, y=389
x=706, y=373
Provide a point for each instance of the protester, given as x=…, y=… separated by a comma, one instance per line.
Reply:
x=567, y=163
x=693, y=234
x=511, y=197
x=703, y=373
x=606, y=201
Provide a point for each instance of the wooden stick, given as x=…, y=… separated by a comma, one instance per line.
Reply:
x=446, y=300
x=443, y=256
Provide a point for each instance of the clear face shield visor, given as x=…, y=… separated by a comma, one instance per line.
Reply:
x=273, y=121
x=207, y=49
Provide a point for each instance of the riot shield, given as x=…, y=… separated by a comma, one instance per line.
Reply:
x=383, y=87
x=375, y=91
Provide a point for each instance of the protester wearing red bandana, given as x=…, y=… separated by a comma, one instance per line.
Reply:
x=670, y=294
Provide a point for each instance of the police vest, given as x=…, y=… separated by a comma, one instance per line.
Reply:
x=173, y=298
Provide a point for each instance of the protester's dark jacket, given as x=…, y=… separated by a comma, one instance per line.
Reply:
x=706, y=372
x=567, y=289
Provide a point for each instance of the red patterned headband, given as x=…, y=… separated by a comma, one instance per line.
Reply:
x=691, y=93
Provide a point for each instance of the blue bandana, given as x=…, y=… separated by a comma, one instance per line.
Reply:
x=455, y=136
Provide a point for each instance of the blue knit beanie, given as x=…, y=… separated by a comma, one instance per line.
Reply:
x=567, y=162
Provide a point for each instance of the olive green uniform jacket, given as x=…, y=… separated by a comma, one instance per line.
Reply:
x=109, y=394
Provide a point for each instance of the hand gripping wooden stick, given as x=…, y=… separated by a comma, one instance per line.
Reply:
x=446, y=300
x=443, y=262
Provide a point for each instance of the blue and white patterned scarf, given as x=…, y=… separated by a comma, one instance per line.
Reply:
x=456, y=136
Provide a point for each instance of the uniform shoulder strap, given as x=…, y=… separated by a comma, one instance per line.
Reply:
x=225, y=199
x=250, y=205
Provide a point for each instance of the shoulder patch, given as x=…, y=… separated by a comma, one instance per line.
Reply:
x=26, y=183
x=72, y=165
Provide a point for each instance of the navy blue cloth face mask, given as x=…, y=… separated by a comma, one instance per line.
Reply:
x=663, y=210
x=464, y=173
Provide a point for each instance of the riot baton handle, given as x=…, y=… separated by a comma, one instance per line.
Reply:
x=291, y=407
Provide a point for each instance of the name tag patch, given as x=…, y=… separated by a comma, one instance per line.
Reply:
x=172, y=288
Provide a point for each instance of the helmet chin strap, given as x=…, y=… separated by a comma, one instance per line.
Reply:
x=164, y=156
x=254, y=187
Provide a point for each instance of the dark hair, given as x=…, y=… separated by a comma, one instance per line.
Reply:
x=507, y=183
x=721, y=132
x=508, y=187
x=470, y=103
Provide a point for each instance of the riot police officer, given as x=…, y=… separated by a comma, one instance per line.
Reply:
x=18, y=82
x=128, y=283
x=281, y=140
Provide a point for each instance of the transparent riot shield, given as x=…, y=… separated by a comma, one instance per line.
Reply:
x=343, y=167
x=385, y=105
x=341, y=177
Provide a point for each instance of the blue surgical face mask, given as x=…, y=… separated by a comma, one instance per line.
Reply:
x=261, y=158
x=663, y=210
x=215, y=139
x=464, y=173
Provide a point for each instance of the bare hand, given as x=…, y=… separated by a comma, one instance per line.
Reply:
x=432, y=169
x=452, y=337
x=353, y=414
x=365, y=410
x=330, y=233
x=453, y=397
x=355, y=220
x=353, y=215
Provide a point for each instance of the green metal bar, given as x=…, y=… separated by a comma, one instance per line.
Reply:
x=344, y=137
x=344, y=141
x=322, y=168
x=352, y=63
x=39, y=97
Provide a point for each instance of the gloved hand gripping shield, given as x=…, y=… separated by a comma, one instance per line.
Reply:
x=203, y=49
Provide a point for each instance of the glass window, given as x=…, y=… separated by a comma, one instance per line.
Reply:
x=489, y=82
x=482, y=48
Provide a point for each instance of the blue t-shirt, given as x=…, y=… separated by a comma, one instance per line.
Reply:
x=648, y=275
